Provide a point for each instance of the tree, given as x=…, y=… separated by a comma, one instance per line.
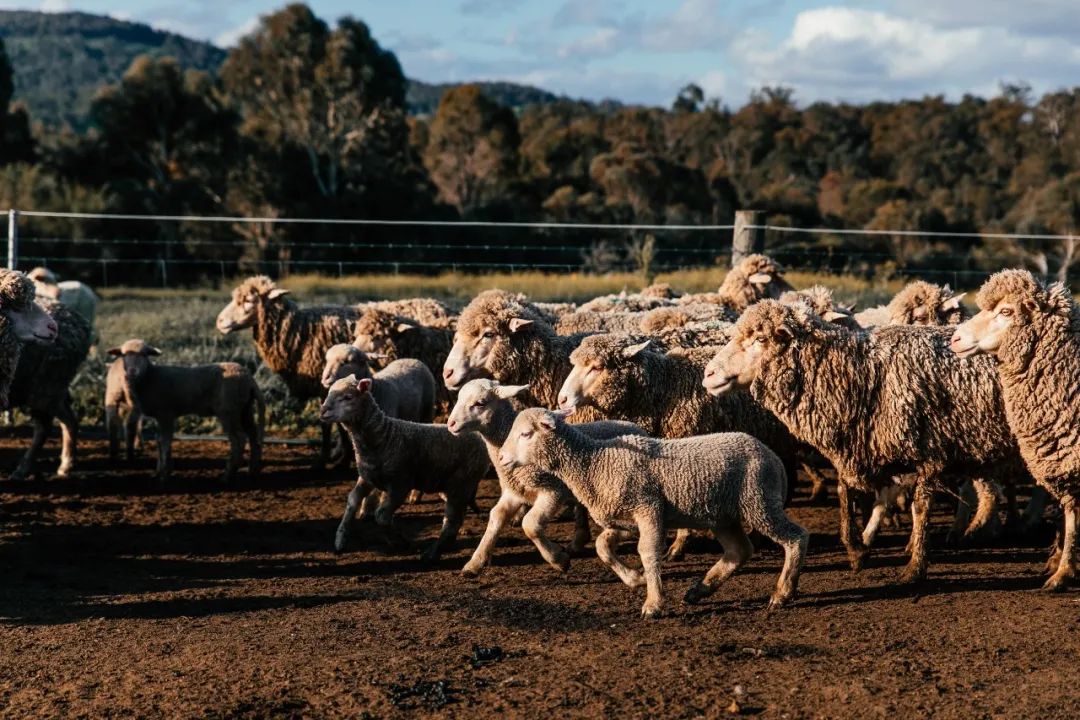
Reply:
x=472, y=152
x=689, y=99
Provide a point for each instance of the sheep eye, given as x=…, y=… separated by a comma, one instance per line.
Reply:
x=1006, y=312
x=479, y=403
x=526, y=433
x=759, y=340
x=488, y=335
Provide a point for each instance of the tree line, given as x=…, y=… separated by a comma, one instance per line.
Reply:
x=308, y=119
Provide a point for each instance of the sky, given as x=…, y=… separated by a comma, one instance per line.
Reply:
x=643, y=51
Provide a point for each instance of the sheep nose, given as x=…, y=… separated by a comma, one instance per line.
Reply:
x=563, y=400
x=448, y=373
x=710, y=372
x=451, y=423
x=52, y=327
x=955, y=338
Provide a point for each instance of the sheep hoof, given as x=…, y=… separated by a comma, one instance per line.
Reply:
x=912, y=576
x=430, y=555
x=697, y=592
x=778, y=601
x=674, y=554
x=857, y=558
x=472, y=570
x=562, y=563
x=652, y=612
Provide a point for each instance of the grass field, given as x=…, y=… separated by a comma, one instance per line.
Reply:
x=181, y=322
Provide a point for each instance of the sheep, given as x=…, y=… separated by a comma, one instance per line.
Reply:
x=875, y=405
x=21, y=321
x=653, y=296
x=500, y=338
x=668, y=318
x=726, y=482
x=404, y=389
x=391, y=337
x=226, y=391
x=40, y=385
x=485, y=407
x=121, y=415
x=397, y=456
x=75, y=295
x=426, y=311
x=820, y=300
x=291, y=341
x=1033, y=333
x=586, y=321
x=755, y=277
x=918, y=303
x=552, y=311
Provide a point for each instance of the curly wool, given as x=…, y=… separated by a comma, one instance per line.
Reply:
x=884, y=403
x=737, y=292
x=819, y=299
x=292, y=341
x=16, y=293
x=378, y=331
x=426, y=311
x=45, y=372
x=1039, y=365
x=918, y=303
x=663, y=394
x=590, y=321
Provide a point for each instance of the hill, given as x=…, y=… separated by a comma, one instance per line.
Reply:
x=61, y=59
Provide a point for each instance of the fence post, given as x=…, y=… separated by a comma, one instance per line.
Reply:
x=13, y=239
x=749, y=238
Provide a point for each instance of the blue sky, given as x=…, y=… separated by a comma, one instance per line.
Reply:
x=642, y=51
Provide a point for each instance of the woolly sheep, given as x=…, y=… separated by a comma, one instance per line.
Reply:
x=874, y=404
x=291, y=341
x=485, y=407
x=426, y=311
x=404, y=389
x=587, y=321
x=653, y=296
x=226, y=391
x=21, y=321
x=727, y=483
x=502, y=339
x=41, y=384
x=1033, y=332
x=918, y=303
x=121, y=415
x=397, y=456
x=392, y=337
x=756, y=277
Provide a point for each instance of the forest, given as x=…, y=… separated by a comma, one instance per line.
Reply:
x=309, y=119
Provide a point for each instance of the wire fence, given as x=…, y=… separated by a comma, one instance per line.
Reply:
x=121, y=249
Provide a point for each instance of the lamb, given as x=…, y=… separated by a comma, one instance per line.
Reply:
x=21, y=321
x=404, y=389
x=727, y=483
x=502, y=339
x=40, y=385
x=756, y=277
x=919, y=303
x=392, y=337
x=874, y=404
x=74, y=295
x=485, y=407
x=397, y=456
x=226, y=391
x=1033, y=332
x=121, y=415
x=291, y=341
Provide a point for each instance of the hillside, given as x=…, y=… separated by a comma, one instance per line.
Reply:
x=61, y=59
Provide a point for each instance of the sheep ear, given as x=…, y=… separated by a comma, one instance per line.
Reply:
x=151, y=350
x=635, y=350
x=506, y=392
x=375, y=355
x=1029, y=305
x=953, y=303
x=278, y=292
x=115, y=352
x=761, y=278
x=551, y=419
x=833, y=316
x=517, y=324
x=783, y=333
x=849, y=308
x=363, y=385
x=405, y=327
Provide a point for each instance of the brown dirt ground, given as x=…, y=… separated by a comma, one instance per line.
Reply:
x=122, y=598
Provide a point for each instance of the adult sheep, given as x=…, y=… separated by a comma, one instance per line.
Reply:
x=21, y=321
x=1033, y=332
x=876, y=405
x=918, y=303
x=755, y=278
x=292, y=341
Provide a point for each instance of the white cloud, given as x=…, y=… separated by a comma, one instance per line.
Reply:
x=602, y=41
x=1028, y=17
x=55, y=6
x=229, y=38
x=695, y=24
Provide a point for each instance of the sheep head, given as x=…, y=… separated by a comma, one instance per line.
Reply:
x=491, y=334
x=476, y=404
x=524, y=444
x=135, y=355
x=756, y=277
x=343, y=360
x=603, y=367
x=378, y=332
x=247, y=297
x=1010, y=303
x=764, y=330
x=345, y=399
x=28, y=321
x=923, y=303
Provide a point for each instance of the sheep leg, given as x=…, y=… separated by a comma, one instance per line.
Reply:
x=394, y=497
x=607, y=543
x=165, y=436
x=26, y=464
x=986, y=491
x=1066, y=569
x=370, y=505
x=356, y=496
x=869, y=533
x=920, y=520
x=737, y=550
x=546, y=507
x=113, y=426
x=582, y=533
x=793, y=538
x=849, y=536
x=453, y=516
x=966, y=497
x=414, y=497
x=819, y=490
x=651, y=551
x=69, y=433
x=498, y=518
x=254, y=440
x=132, y=433
x=678, y=548
x=236, y=449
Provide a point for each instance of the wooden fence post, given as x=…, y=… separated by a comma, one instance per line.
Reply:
x=749, y=236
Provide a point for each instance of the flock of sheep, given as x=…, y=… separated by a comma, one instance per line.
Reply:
x=645, y=412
